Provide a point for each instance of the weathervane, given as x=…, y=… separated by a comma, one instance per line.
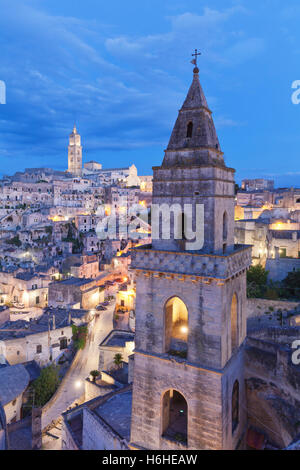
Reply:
x=194, y=61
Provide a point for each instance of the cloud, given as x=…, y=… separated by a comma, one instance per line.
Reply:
x=123, y=90
x=222, y=45
x=209, y=19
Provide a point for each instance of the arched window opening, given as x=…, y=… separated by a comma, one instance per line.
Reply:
x=176, y=327
x=174, y=416
x=234, y=323
x=189, y=131
x=235, y=405
x=225, y=226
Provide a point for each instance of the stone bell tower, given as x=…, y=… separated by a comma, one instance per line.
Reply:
x=75, y=153
x=188, y=387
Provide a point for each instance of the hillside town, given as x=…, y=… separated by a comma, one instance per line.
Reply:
x=112, y=340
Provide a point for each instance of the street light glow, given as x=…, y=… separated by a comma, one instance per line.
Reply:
x=78, y=383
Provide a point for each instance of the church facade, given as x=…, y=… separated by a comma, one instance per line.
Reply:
x=188, y=386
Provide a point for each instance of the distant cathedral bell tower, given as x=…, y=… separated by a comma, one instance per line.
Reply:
x=75, y=153
x=188, y=385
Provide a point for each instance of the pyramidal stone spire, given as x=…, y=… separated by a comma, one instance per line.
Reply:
x=194, y=139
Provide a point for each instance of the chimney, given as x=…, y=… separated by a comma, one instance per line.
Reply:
x=53, y=321
x=70, y=318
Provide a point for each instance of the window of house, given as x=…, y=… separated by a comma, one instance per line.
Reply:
x=63, y=343
x=38, y=349
x=282, y=252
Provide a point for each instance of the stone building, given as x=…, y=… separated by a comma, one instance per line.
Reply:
x=14, y=380
x=87, y=267
x=116, y=342
x=188, y=386
x=16, y=193
x=75, y=292
x=3, y=430
x=42, y=339
x=146, y=183
x=275, y=242
x=257, y=184
x=288, y=198
x=75, y=153
x=27, y=288
x=92, y=166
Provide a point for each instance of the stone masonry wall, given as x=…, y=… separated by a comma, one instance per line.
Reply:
x=273, y=389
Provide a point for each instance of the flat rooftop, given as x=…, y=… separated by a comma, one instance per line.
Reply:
x=27, y=276
x=74, y=281
x=117, y=338
x=116, y=411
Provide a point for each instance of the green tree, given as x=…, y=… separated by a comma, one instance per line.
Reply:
x=79, y=336
x=15, y=241
x=94, y=374
x=46, y=384
x=257, y=278
x=118, y=358
x=291, y=284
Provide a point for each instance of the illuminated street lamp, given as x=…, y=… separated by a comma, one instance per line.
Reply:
x=78, y=384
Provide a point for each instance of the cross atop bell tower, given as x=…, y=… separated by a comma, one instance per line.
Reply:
x=196, y=54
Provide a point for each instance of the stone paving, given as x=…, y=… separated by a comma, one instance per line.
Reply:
x=73, y=387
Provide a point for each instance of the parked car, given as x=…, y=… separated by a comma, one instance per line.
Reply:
x=101, y=307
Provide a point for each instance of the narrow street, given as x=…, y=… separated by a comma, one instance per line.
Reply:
x=73, y=387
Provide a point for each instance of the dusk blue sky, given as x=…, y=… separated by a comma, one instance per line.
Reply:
x=121, y=69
